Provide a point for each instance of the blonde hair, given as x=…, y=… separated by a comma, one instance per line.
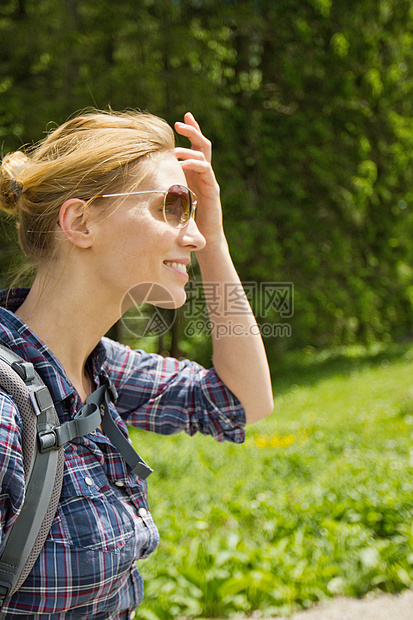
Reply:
x=88, y=155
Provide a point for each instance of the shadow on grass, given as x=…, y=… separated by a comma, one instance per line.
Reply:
x=310, y=366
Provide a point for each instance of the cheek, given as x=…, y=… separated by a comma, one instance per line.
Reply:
x=136, y=240
x=128, y=237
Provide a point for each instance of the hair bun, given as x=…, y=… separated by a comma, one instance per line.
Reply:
x=11, y=187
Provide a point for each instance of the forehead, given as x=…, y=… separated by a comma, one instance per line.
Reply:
x=165, y=171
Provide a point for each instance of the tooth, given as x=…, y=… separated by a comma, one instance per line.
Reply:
x=179, y=266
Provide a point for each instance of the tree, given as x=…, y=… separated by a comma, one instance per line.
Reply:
x=308, y=104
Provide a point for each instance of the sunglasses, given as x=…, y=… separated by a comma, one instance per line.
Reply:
x=179, y=203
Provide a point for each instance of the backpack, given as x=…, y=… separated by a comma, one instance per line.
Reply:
x=43, y=439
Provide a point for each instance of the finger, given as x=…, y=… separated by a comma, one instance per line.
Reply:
x=189, y=131
x=196, y=165
x=183, y=153
x=202, y=169
x=198, y=141
x=194, y=134
x=190, y=119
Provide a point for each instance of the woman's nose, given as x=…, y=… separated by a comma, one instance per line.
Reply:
x=191, y=235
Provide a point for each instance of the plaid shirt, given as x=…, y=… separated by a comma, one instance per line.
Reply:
x=103, y=525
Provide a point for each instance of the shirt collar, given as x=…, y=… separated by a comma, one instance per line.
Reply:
x=20, y=338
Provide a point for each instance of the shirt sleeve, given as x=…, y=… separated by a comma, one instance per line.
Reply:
x=164, y=395
x=12, y=485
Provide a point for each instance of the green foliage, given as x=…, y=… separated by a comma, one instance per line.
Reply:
x=309, y=107
x=316, y=503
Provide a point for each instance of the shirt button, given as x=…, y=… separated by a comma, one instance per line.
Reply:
x=119, y=483
x=88, y=481
x=142, y=512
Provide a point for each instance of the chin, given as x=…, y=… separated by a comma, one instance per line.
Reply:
x=175, y=301
x=154, y=294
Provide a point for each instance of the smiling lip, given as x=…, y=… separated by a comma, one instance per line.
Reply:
x=178, y=266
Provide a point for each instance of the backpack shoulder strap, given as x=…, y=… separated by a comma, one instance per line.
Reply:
x=43, y=471
x=101, y=397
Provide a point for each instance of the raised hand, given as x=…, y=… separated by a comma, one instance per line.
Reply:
x=196, y=164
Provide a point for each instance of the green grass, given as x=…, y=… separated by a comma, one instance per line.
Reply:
x=317, y=502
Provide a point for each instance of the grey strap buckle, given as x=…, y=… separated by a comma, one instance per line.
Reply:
x=47, y=440
x=85, y=422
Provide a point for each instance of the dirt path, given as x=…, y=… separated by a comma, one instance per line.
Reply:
x=383, y=607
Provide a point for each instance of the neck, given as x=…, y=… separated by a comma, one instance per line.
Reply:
x=70, y=317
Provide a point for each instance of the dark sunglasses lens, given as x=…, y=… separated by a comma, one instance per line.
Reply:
x=177, y=207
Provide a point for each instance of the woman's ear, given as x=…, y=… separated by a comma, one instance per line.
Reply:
x=75, y=222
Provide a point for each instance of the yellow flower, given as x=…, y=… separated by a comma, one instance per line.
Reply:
x=274, y=441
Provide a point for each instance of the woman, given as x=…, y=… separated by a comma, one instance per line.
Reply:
x=103, y=207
